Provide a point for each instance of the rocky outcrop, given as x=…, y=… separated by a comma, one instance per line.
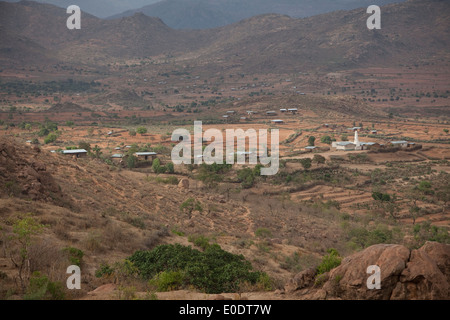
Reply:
x=23, y=175
x=418, y=274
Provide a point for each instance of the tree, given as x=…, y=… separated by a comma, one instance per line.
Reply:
x=97, y=151
x=132, y=132
x=24, y=230
x=325, y=139
x=131, y=161
x=311, y=140
x=170, y=168
x=141, y=130
x=306, y=163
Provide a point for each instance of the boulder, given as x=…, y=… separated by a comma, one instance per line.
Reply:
x=301, y=280
x=418, y=274
x=423, y=279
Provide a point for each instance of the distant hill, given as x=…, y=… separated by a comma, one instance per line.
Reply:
x=412, y=31
x=99, y=8
x=202, y=14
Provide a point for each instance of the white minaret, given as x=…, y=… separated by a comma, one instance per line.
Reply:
x=356, y=141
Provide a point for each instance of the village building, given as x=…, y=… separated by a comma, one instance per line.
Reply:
x=145, y=155
x=293, y=110
x=283, y=110
x=310, y=148
x=279, y=121
x=343, y=145
x=76, y=153
x=400, y=143
x=271, y=113
x=117, y=157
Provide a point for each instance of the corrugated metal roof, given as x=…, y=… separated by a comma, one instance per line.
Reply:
x=399, y=142
x=117, y=155
x=74, y=151
x=145, y=153
x=344, y=143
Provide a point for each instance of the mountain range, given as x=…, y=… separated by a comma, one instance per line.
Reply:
x=411, y=32
x=203, y=14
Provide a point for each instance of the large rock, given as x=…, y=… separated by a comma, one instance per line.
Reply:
x=301, y=280
x=349, y=280
x=418, y=274
x=422, y=278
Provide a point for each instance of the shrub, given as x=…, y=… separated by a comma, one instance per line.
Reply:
x=75, y=255
x=170, y=168
x=306, y=163
x=141, y=130
x=132, y=133
x=157, y=168
x=199, y=241
x=41, y=288
x=426, y=232
x=263, y=233
x=131, y=161
x=329, y=261
x=325, y=139
x=190, y=205
x=246, y=177
x=212, y=271
x=168, y=280
x=311, y=140
x=50, y=138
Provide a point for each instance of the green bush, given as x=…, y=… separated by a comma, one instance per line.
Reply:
x=41, y=288
x=426, y=232
x=141, y=130
x=168, y=280
x=131, y=161
x=170, y=168
x=246, y=177
x=263, y=233
x=364, y=238
x=329, y=261
x=191, y=205
x=199, y=241
x=212, y=271
x=326, y=139
x=50, y=138
x=75, y=255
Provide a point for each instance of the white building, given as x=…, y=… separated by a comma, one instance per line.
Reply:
x=343, y=145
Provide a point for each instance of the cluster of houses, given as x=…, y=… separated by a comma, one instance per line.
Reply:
x=230, y=113
x=116, y=157
x=359, y=145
